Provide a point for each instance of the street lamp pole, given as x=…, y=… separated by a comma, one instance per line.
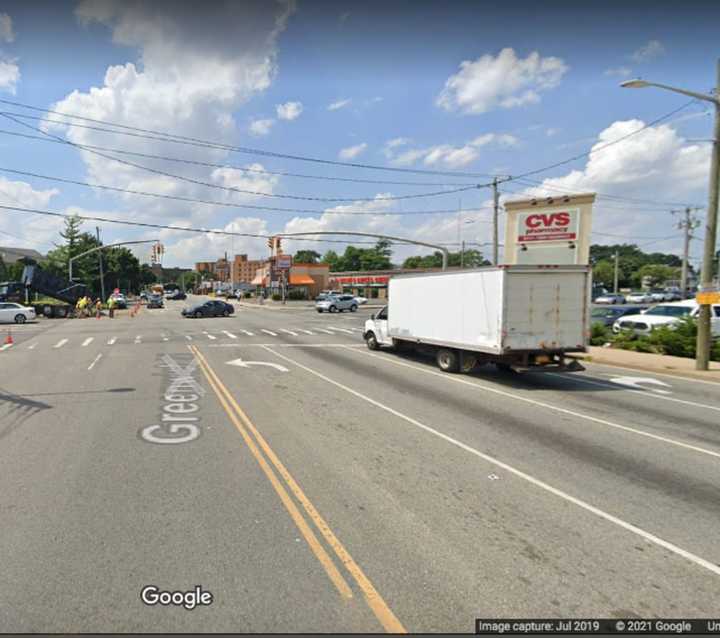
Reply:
x=704, y=336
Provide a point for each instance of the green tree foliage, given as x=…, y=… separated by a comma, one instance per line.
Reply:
x=376, y=258
x=470, y=259
x=122, y=270
x=306, y=257
x=656, y=273
x=631, y=260
x=603, y=273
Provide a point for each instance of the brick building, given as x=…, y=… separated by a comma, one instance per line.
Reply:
x=244, y=269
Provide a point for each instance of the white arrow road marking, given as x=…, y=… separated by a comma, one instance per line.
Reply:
x=247, y=332
x=290, y=332
x=247, y=364
x=230, y=334
x=272, y=334
x=92, y=365
x=111, y=341
x=87, y=341
x=636, y=383
x=138, y=339
x=60, y=343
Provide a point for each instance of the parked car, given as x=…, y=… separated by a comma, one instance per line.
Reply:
x=361, y=300
x=337, y=303
x=639, y=296
x=120, y=301
x=673, y=295
x=16, y=313
x=658, y=295
x=610, y=298
x=177, y=295
x=666, y=314
x=155, y=301
x=212, y=308
x=608, y=316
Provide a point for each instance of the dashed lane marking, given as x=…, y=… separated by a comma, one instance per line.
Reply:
x=230, y=334
x=269, y=332
x=95, y=360
x=247, y=332
x=60, y=343
x=87, y=341
x=290, y=332
x=111, y=341
x=138, y=339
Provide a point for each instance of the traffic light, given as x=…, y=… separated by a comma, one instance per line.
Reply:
x=278, y=249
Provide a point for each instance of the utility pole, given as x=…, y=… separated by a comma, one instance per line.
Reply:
x=686, y=225
x=102, y=278
x=462, y=254
x=495, y=221
x=615, y=275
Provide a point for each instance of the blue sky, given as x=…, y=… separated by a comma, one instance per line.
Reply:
x=538, y=87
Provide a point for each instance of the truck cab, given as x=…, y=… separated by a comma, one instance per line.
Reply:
x=12, y=291
x=376, y=330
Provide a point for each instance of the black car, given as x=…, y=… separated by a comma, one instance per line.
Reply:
x=177, y=295
x=608, y=315
x=212, y=308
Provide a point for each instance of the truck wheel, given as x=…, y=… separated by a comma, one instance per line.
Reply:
x=198, y=315
x=468, y=363
x=353, y=308
x=371, y=341
x=448, y=360
x=61, y=312
x=47, y=311
x=19, y=318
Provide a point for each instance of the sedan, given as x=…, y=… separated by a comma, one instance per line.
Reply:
x=337, y=303
x=177, y=295
x=120, y=301
x=639, y=297
x=610, y=298
x=212, y=308
x=14, y=312
x=608, y=316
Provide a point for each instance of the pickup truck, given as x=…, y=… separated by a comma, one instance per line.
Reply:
x=517, y=317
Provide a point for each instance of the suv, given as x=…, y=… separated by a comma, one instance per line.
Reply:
x=667, y=314
x=336, y=303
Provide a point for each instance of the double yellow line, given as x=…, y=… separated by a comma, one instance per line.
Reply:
x=265, y=457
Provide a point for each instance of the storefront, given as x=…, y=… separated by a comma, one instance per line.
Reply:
x=371, y=285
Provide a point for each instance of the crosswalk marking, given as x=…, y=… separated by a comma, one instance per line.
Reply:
x=209, y=336
x=60, y=343
x=307, y=332
x=230, y=334
x=88, y=341
x=112, y=340
x=188, y=337
x=327, y=332
x=247, y=332
x=269, y=332
x=290, y=332
x=342, y=330
x=6, y=346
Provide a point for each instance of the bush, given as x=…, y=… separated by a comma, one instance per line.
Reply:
x=276, y=297
x=600, y=334
x=297, y=293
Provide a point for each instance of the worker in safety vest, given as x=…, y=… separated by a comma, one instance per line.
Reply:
x=111, y=306
x=80, y=306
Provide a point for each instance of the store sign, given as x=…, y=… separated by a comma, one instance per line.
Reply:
x=283, y=262
x=539, y=226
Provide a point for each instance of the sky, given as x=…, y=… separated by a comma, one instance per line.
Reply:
x=427, y=96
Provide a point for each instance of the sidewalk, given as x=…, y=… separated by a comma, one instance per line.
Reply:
x=678, y=366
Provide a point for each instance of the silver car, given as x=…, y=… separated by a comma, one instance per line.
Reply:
x=336, y=303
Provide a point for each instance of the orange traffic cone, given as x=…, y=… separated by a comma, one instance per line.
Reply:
x=8, y=338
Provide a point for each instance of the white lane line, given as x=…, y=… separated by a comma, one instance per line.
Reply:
x=165, y=337
x=211, y=337
x=694, y=558
x=92, y=365
x=554, y=408
x=60, y=343
x=645, y=393
x=307, y=332
x=230, y=334
x=138, y=339
x=342, y=330
x=33, y=345
x=87, y=341
x=269, y=332
x=325, y=331
x=247, y=332
x=112, y=340
x=188, y=337
x=6, y=346
x=290, y=332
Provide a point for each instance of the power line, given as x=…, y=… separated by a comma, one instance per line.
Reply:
x=245, y=169
x=625, y=236
x=220, y=203
x=182, y=139
x=231, y=188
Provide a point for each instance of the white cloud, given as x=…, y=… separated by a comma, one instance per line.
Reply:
x=289, y=110
x=505, y=81
x=390, y=146
x=334, y=106
x=9, y=75
x=352, y=151
x=23, y=229
x=446, y=154
x=552, y=131
x=6, y=28
x=243, y=180
x=652, y=50
x=194, y=69
x=261, y=127
x=620, y=71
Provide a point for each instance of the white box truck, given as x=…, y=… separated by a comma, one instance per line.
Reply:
x=517, y=317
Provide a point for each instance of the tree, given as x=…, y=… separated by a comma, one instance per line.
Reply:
x=469, y=259
x=604, y=273
x=657, y=274
x=306, y=257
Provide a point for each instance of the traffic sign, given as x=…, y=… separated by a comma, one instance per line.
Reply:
x=707, y=298
x=284, y=262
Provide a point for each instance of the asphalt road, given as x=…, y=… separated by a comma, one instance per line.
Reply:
x=313, y=486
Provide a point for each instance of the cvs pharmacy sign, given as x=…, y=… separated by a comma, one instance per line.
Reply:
x=560, y=225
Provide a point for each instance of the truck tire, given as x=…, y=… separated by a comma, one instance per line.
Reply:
x=371, y=341
x=448, y=360
x=61, y=312
x=19, y=318
x=198, y=315
x=469, y=361
x=47, y=310
x=353, y=308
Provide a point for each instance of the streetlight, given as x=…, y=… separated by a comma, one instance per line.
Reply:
x=704, y=337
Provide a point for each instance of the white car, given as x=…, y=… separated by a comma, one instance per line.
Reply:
x=15, y=313
x=639, y=297
x=665, y=314
x=361, y=300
